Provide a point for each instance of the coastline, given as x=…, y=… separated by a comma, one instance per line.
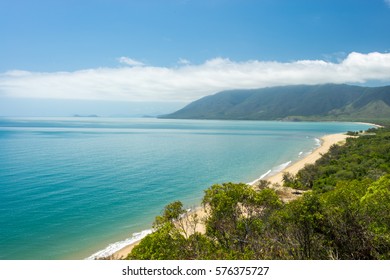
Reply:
x=287, y=194
x=326, y=142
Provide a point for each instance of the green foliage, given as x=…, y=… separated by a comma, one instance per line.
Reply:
x=352, y=133
x=171, y=213
x=234, y=214
x=375, y=206
x=164, y=244
x=289, y=180
x=345, y=223
x=304, y=220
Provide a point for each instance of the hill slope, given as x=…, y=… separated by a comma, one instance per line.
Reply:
x=319, y=102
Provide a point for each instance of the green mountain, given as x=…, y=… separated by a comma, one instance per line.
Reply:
x=302, y=102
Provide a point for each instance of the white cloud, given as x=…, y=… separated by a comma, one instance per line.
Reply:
x=183, y=61
x=387, y=2
x=189, y=82
x=130, y=61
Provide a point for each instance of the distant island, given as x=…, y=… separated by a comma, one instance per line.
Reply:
x=85, y=116
x=327, y=102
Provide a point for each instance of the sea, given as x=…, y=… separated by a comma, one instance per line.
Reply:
x=82, y=188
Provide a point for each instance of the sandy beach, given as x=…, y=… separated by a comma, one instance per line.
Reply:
x=122, y=253
x=287, y=194
x=326, y=142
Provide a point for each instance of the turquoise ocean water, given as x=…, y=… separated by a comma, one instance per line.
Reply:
x=71, y=187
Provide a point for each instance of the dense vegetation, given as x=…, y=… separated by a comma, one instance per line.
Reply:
x=345, y=214
x=319, y=102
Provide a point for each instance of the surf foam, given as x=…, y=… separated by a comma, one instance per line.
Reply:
x=271, y=172
x=115, y=247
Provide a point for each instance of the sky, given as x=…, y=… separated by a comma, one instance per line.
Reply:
x=123, y=57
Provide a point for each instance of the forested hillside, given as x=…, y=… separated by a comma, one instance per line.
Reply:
x=319, y=102
x=343, y=214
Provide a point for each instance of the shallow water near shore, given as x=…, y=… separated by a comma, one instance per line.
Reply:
x=69, y=187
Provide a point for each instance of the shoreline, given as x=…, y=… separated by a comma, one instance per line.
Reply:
x=287, y=194
x=326, y=142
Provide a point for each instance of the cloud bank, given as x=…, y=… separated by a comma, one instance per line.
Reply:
x=186, y=82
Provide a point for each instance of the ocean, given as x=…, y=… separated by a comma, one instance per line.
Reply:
x=76, y=188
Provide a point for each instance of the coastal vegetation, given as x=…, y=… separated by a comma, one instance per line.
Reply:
x=327, y=102
x=344, y=213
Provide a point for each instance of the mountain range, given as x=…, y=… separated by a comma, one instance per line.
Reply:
x=299, y=102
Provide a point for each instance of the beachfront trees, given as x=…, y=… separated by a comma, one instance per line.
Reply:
x=352, y=221
x=289, y=180
x=306, y=176
x=166, y=243
x=234, y=214
x=345, y=216
x=367, y=156
x=171, y=213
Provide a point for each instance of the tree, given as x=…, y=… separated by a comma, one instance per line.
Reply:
x=300, y=222
x=375, y=205
x=234, y=212
x=306, y=176
x=289, y=180
x=166, y=243
x=172, y=212
x=345, y=222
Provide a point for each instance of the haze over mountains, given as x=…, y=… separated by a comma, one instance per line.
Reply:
x=301, y=102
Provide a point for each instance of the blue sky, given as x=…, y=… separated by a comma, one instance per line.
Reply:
x=180, y=50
